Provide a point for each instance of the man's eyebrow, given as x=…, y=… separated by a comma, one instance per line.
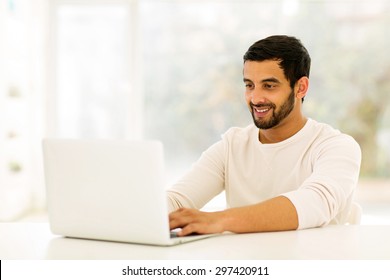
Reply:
x=267, y=80
x=270, y=80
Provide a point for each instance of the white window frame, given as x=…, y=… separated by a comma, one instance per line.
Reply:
x=134, y=121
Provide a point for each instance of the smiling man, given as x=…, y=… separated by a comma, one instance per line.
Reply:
x=285, y=171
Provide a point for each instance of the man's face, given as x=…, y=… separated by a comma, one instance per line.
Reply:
x=268, y=93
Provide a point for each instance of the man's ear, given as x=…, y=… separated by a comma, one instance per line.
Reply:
x=302, y=85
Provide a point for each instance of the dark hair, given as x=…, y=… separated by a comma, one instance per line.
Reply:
x=293, y=57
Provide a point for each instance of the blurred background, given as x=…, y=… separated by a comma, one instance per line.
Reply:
x=172, y=70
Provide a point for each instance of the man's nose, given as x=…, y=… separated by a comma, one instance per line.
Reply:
x=258, y=96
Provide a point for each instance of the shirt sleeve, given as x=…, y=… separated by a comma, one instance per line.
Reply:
x=203, y=182
x=329, y=190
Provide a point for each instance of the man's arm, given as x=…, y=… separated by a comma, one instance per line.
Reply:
x=276, y=214
x=204, y=181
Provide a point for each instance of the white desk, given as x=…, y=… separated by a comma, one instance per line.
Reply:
x=34, y=241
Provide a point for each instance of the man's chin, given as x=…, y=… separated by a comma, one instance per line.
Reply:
x=263, y=124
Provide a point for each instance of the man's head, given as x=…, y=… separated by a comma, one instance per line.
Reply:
x=276, y=73
x=292, y=56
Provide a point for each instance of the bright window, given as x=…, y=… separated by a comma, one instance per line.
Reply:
x=92, y=79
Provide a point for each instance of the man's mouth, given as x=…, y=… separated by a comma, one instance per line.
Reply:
x=262, y=110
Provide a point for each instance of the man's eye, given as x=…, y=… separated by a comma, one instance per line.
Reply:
x=269, y=86
x=248, y=85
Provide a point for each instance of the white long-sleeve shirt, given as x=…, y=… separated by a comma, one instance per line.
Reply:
x=317, y=169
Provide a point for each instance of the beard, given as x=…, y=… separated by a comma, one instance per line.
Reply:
x=277, y=116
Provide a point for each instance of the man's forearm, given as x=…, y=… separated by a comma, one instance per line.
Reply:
x=276, y=214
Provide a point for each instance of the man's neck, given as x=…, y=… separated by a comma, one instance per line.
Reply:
x=282, y=131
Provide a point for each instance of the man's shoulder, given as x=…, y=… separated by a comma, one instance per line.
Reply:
x=327, y=134
x=326, y=130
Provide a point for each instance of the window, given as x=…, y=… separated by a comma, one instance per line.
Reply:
x=192, y=54
x=92, y=90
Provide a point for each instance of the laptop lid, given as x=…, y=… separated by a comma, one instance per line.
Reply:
x=107, y=189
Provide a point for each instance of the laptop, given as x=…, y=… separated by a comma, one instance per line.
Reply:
x=108, y=190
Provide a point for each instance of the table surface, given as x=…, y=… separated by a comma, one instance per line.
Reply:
x=35, y=241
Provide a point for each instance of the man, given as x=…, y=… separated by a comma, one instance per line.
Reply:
x=285, y=171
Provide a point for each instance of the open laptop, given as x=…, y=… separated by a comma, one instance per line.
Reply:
x=108, y=190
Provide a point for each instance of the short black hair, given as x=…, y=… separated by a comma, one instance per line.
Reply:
x=293, y=57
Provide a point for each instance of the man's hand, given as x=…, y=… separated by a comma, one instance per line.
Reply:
x=195, y=221
x=275, y=214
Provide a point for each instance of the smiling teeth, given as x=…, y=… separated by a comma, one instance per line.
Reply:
x=261, y=110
